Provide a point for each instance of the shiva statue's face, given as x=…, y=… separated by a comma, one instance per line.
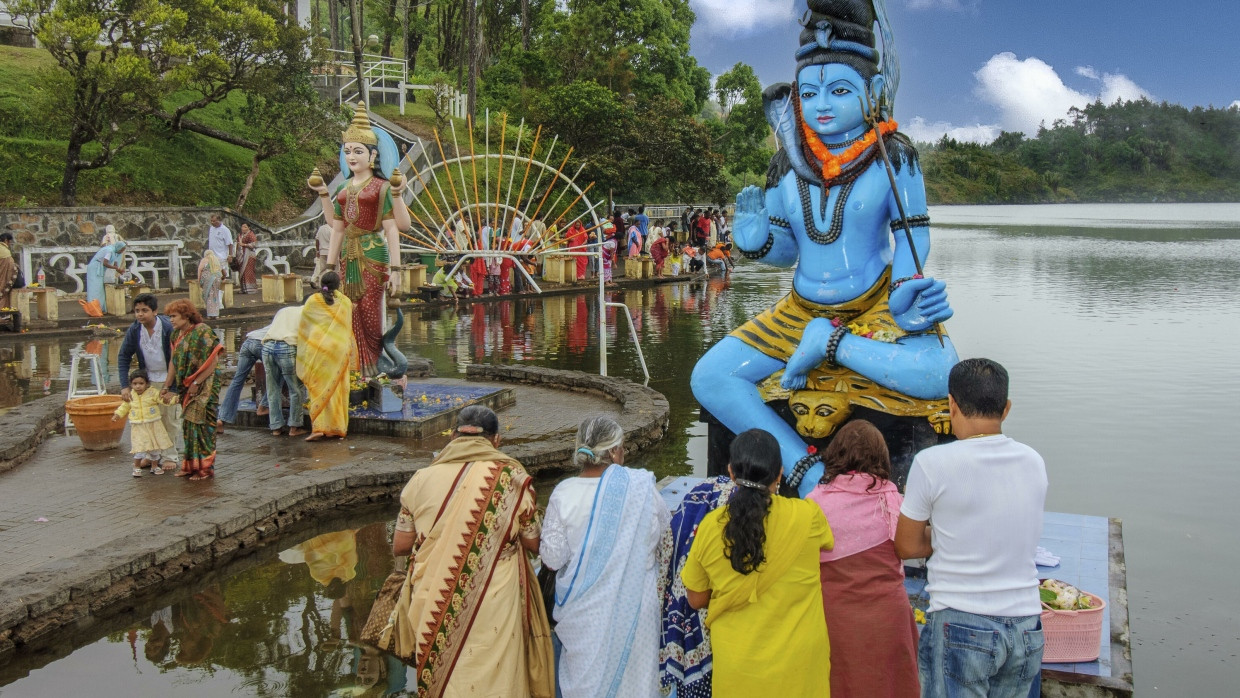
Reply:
x=831, y=97
x=359, y=159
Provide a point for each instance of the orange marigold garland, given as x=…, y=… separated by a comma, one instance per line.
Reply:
x=833, y=164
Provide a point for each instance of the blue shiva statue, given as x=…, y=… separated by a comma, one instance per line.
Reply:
x=857, y=335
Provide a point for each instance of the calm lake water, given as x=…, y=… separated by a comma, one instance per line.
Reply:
x=1119, y=325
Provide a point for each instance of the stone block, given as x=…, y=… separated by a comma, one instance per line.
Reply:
x=288, y=501
x=202, y=539
x=178, y=545
x=90, y=584
x=114, y=594
x=48, y=600
x=332, y=486
x=13, y=610
x=142, y=561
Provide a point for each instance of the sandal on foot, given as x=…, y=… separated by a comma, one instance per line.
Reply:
x=137, y=472
x=156, y=470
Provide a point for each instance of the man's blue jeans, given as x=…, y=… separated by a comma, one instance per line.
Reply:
x=280, y=360
x=251, y=353
x=963, y=654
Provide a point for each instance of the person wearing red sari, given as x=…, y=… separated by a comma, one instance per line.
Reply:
x=658, y=252
x=577, y=243
x=869, y=620
x=506, y=266
x=247, y=259
x=478, y=274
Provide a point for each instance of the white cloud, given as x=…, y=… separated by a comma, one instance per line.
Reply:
x=1114, y=86
x=733, y=18
x=1235, y=104
x=924, y=131
x=1027, y=93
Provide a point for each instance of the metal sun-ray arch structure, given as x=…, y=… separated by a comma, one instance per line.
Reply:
x=452, y=199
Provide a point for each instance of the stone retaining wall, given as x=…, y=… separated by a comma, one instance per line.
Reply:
x=26, y=426
x=115, y=577
x=84, y=225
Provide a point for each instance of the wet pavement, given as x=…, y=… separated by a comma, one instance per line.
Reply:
x=66, y=500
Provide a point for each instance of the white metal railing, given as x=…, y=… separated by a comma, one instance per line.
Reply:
x=379, y=71
x=603, y=303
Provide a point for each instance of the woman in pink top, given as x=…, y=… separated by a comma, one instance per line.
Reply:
x=869, y=621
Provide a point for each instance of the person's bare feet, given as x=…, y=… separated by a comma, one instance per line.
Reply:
x=277, y=432
x=262, y=411
x=296, y=431
x=316, y=436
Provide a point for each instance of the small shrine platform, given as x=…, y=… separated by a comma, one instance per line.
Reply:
x=427, y=409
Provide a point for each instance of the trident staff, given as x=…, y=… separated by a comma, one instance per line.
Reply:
x=874, y=116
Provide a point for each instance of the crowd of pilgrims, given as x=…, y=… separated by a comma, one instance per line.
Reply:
x=736, y=592
x=699, y=238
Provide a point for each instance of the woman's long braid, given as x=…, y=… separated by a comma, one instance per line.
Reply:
x=744, y=534
x=754, y=462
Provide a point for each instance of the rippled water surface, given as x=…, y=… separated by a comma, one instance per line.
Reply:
x=1119, y=326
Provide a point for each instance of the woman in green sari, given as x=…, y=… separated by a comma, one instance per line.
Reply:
x=192, y=378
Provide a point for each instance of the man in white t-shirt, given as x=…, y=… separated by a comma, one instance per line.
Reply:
x=974, y=508
x=220, y=241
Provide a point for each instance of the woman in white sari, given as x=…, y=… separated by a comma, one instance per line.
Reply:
x=601, y=533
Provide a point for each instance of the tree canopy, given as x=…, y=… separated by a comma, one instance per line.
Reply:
x=1126, y=151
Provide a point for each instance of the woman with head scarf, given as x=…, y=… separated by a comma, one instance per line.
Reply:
x=109, y=257
x=247, y=260
x=210, y=276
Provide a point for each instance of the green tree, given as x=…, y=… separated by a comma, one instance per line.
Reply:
x=638, y=47
x=740, y=136
x=124, y=61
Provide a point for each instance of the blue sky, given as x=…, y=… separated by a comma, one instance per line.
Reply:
x=973, y=67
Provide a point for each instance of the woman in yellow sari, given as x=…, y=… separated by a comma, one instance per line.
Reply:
x=754, y=566
x=326, y=350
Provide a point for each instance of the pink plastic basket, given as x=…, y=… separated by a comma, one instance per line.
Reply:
x=1073, y=636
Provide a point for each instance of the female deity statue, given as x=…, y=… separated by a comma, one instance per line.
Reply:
x=366, y=215
x=858, y=332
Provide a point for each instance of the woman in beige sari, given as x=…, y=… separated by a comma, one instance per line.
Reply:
x=470, y=606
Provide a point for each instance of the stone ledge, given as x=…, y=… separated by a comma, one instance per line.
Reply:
x=118, y=575
x=26, y=426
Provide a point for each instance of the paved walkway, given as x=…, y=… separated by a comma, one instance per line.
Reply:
x=90, y=498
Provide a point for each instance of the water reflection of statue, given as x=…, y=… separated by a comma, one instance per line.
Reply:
x=366, y=220
x=859, y=321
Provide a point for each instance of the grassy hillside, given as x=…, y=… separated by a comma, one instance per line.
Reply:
x=182, y=169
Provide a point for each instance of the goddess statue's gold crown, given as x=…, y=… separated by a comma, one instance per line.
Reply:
x=359, y=130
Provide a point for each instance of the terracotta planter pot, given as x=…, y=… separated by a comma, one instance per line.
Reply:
x=92, y=417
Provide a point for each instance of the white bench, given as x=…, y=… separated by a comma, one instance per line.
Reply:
x=274, y=255
x=141, y=257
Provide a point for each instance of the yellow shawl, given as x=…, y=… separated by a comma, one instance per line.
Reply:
x=326, y=350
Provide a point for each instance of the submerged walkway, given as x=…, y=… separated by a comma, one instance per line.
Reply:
x=65, y=500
